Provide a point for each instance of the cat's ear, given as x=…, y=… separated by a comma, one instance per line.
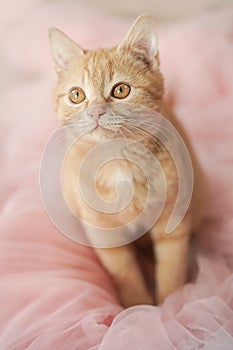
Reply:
x=142, y=40
x=64, y=50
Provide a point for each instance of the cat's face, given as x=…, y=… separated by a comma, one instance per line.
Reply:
x=96, y=89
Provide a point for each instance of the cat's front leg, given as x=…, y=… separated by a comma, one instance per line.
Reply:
x=123, y=267
x=171, y=259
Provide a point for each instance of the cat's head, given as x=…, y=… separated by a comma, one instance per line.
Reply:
x=95, y=89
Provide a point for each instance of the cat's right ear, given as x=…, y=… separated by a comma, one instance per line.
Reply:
x=142, y=41
x=64, y=50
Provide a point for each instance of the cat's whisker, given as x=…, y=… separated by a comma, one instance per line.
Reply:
x=109, y=127
x=148, y=133
x=121, y=133
x=60, y=139
x=134, y=135
x=129, y=131
x=62, y=127
x=59, y=126
x=52, y=128
x=69, y=130
x=142, y=127
x=145, y=135
x=81, y=123
x=142, y=134
x=77, y=126
x=158, y=126
x=151, y=124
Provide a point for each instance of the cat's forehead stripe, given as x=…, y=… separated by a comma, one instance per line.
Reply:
x=97, y=71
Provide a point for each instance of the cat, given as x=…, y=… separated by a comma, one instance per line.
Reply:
x=96, y=84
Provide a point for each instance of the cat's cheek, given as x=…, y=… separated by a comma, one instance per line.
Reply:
x=73, y=108
x=66, y=113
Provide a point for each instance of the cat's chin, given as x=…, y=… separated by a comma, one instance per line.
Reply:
x=99, y=134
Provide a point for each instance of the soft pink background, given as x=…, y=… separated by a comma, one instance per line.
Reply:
x=54, y=294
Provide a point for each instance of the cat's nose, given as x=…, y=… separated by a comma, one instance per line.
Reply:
x=96, y=111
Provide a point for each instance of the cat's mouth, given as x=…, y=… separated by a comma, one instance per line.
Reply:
x=102, y=132
x=106, y=126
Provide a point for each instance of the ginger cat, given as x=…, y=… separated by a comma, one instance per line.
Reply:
x=96, y=84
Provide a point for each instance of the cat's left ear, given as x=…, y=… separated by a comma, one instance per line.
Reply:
x=142, y=41
x=64, y=50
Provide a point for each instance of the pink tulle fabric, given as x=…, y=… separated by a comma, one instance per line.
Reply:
x=54, y=294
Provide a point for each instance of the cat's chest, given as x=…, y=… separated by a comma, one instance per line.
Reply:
x=132, y=172
x=128, y=174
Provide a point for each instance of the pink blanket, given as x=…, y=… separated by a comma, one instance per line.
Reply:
x=54, y=294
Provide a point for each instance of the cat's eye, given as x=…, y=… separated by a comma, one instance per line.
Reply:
x=77, y=95
x=120, y=90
